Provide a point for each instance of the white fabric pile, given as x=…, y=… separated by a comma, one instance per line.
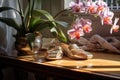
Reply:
x=98, y=43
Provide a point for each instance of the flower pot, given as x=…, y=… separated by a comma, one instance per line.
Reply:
x=21, y=45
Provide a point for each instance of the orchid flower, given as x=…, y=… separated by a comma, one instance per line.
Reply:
x=115, y=27
x=86, y=24
x=75, y=33
x=91, y=7
x=76, y=30
x=106, y=17
x=78, y=27
x=76, y=6
x=76, y=23
x=101, y=5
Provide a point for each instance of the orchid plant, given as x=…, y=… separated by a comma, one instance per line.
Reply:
x=33, y=20
x=97, y=8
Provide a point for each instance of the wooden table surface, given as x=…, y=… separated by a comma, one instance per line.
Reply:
x=103, y=65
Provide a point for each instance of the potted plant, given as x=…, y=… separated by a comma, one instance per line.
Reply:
x=33, y=20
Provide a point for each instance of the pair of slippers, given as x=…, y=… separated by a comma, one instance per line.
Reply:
x=72, y=51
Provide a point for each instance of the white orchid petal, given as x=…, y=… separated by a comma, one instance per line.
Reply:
x=116, y=20
x=71, y=4
x=111, y=30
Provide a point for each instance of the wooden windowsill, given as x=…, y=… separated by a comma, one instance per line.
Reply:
x=102, y=66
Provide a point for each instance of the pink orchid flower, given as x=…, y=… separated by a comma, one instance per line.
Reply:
x=101, y=5
x=115, y=27
x=91, y=7
x=78, y=28
x=87, y=28
x=75, y=33
x=106, y=17
x=86, y=24
x=76, y=23
x=76, y=6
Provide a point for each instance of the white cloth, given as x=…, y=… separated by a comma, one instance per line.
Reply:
x=98, y=43
x=6, y=32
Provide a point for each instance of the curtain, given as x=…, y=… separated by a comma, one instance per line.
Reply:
x=6, y=32
x=53, y=6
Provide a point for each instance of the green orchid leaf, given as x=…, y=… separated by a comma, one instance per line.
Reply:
x=62, y=23
x=44, y=13
x=10, y=22
x=51, y=24
x=54, y=30
x=8, y=8
x=35, y=21
x=61, y=36
x=43, y=25
x=37, y=24
x=58, y=33
x=30, y=39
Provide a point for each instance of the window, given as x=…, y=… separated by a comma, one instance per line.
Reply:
x=66, y=3
x=113, y=4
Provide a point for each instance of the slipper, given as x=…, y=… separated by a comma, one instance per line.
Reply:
x=74, y=52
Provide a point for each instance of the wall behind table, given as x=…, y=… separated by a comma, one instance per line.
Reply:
x=103, y=30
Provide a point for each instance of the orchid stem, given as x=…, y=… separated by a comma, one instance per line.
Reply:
x=21, y=14
x=31, y=6
x=60, y=13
